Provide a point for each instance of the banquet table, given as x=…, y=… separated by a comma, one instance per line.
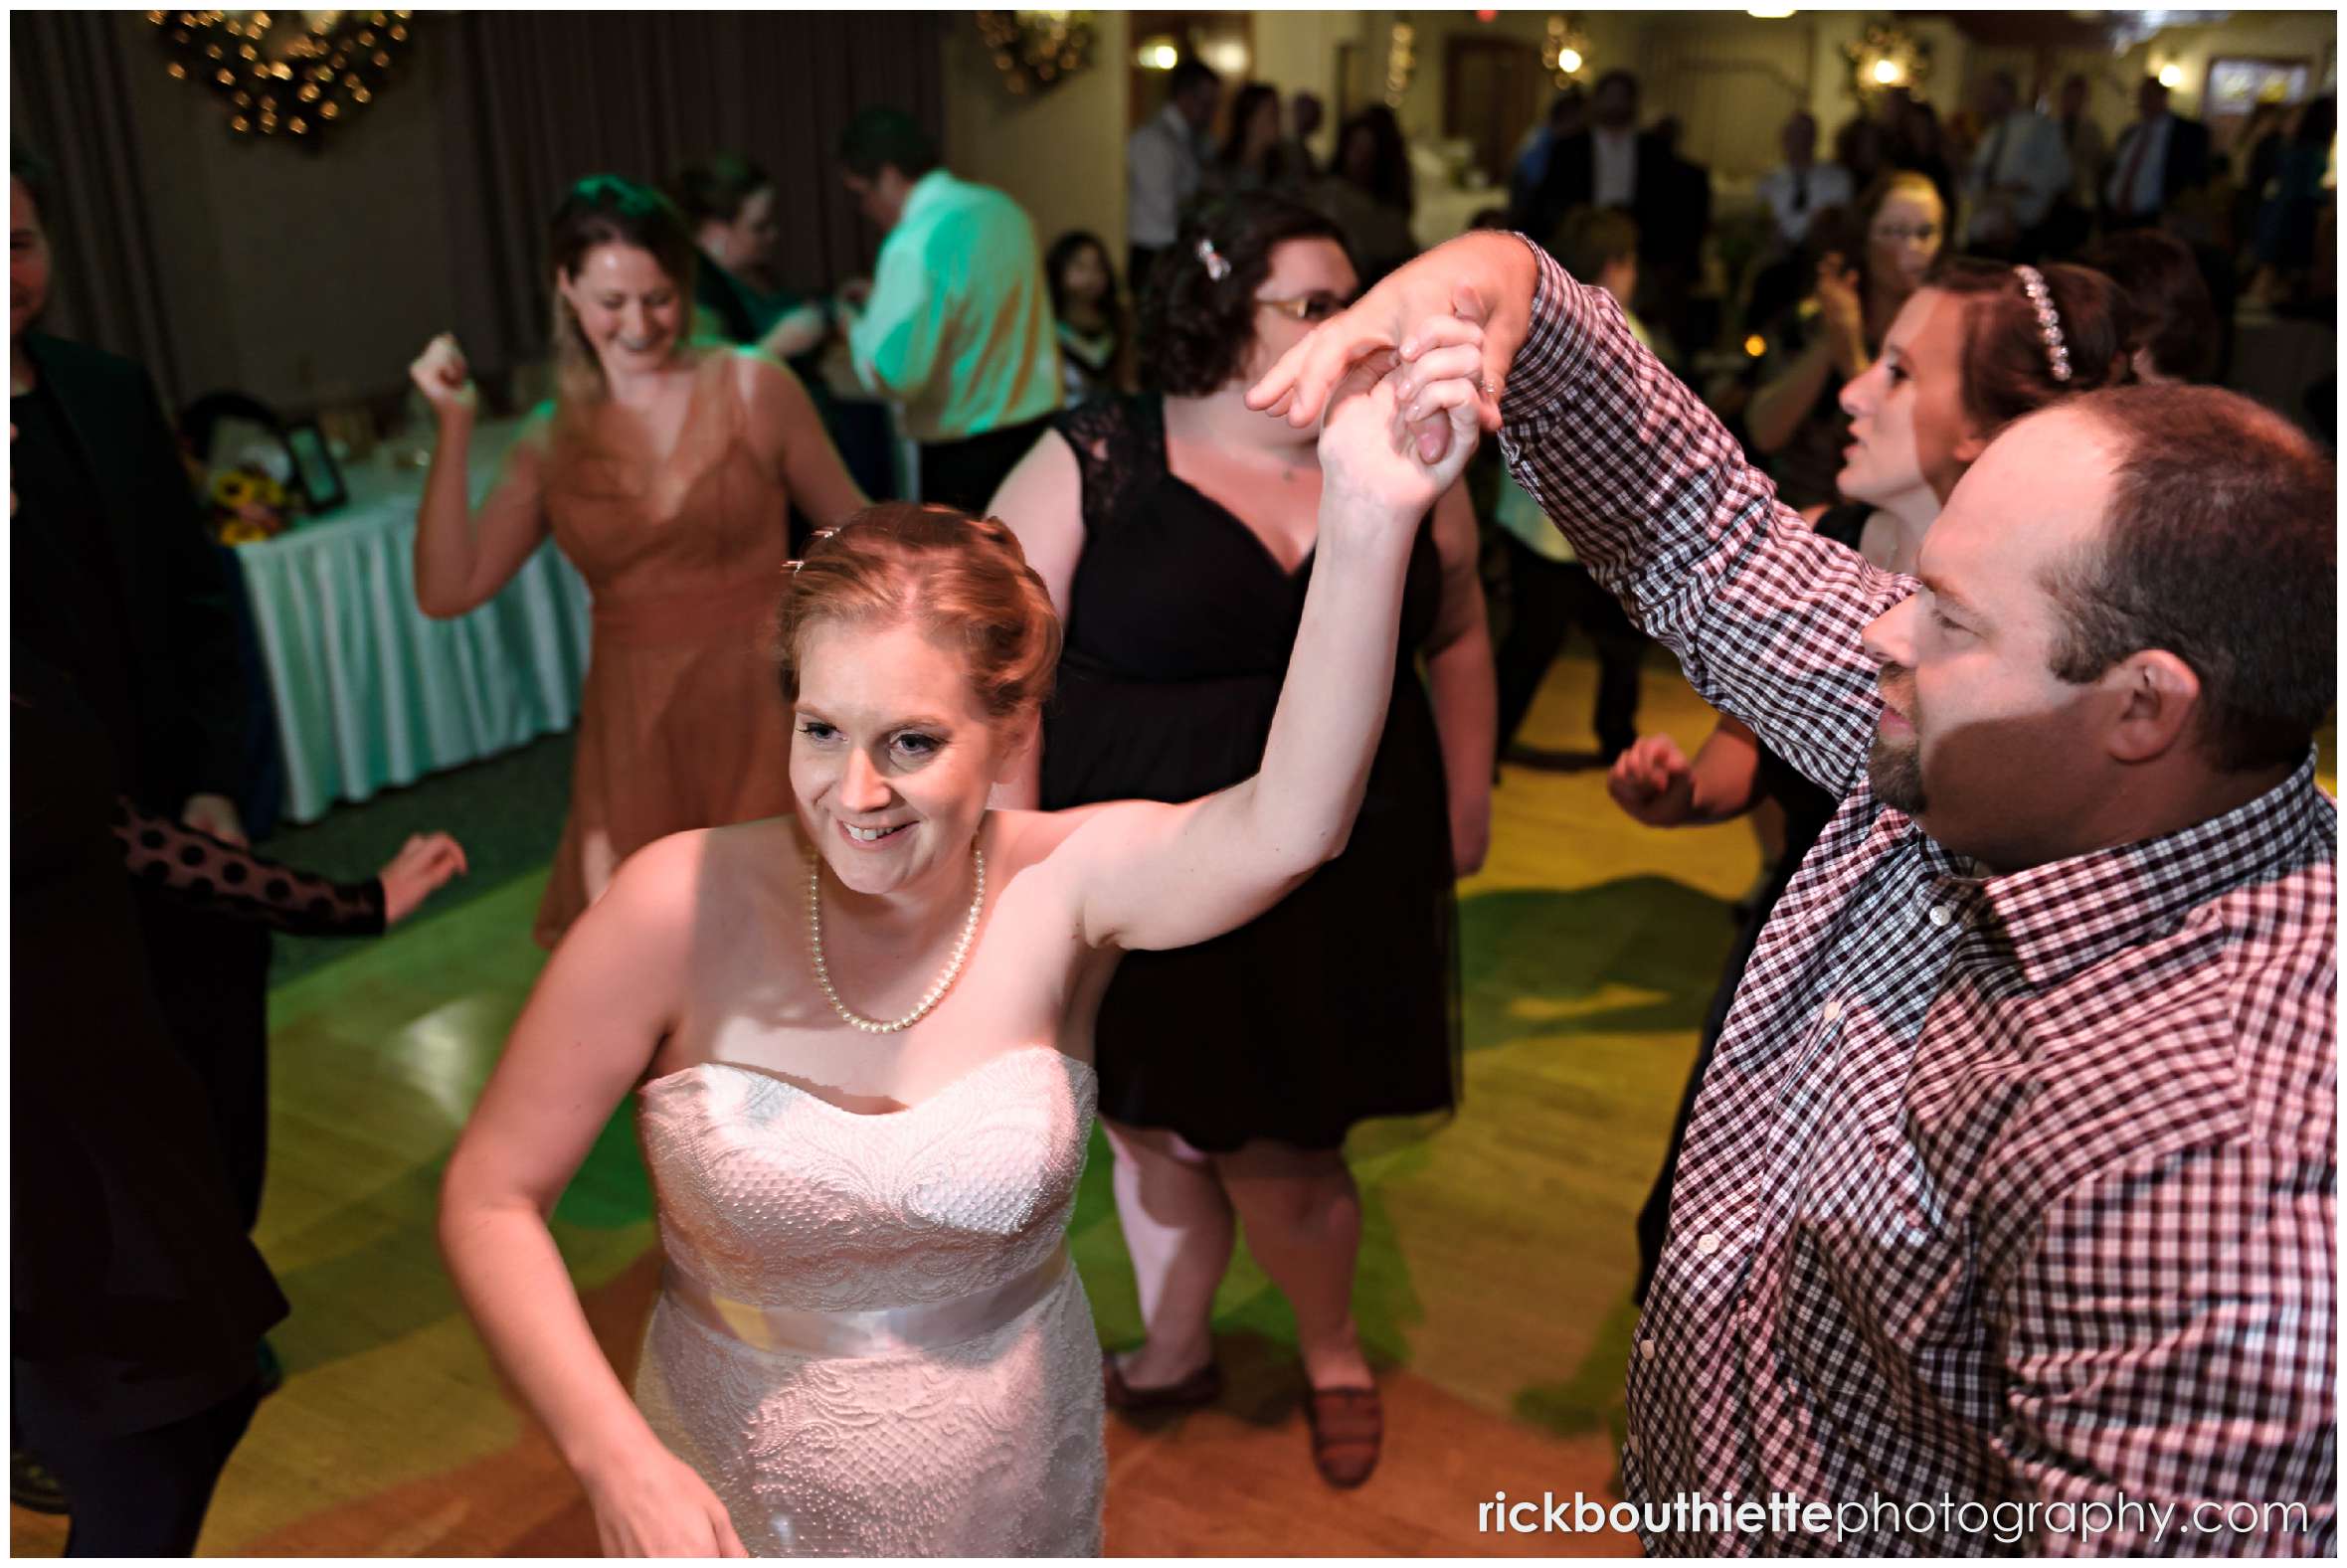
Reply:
x=368, y=692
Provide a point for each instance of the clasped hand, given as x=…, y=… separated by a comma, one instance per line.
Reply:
x=1396, y=436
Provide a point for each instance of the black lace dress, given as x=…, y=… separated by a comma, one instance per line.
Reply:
x=1340, y=1004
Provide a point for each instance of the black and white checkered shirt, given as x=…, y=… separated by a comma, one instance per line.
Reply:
x=2001, y=1190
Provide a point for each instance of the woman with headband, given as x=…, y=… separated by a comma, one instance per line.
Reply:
x=1977, y=346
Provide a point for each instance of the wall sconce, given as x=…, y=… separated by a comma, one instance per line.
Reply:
x=1887, y=59
x=1770, y=13
x=2171, y=75
x=1158, y=53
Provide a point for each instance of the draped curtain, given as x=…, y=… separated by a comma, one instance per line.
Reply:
x=540, y=98
x=69, y=97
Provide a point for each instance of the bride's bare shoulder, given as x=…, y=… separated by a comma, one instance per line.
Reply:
x=676, y=881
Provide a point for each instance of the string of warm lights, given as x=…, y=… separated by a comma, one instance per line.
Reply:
x=299, y=73
x=1401, y=63
x=1036, y=50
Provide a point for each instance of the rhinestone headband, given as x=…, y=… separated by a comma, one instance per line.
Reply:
x=1217, y=264
x=2033, y=283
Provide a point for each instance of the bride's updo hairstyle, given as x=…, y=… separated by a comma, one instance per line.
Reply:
x=963, y=580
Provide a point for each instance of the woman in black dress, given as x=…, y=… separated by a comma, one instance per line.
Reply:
x=1176, y=532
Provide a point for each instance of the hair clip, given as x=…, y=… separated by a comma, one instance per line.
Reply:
x=1217, y=264
x=812, y=539
x=2033, y=283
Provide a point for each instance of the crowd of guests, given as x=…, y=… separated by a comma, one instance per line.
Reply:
x=1247, y=809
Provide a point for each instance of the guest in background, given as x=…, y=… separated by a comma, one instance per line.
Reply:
x=1095, y=333
x=140, y=1303
x=2260, y=145
x=1164, y=159
x=1305, y=115
x=1861, y=147
x=1965, y=357
x=1795, y=189
x=2015, y=175
x=1252, y=156
x=1549, y=591
x=735, y=220
x=2287, y=224
x=1672, y=248
x=663, y=469
x=112, y=580
x=734, y=214
x=2176, y=334
x=1607, y=165
x=1923, y=146
x=1567, y=116
x=2161, y=156
x=2089, y=161
x=1370, y=192
x=957, y=326
x=1794, y=418
x=1176, y=532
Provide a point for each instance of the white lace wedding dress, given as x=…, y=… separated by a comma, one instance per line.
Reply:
x=870, y=1343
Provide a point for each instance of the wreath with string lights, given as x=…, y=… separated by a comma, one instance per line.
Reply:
x=1036, y=50
x=299, y=75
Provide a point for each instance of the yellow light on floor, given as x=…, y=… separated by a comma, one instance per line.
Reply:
x=1755, y=345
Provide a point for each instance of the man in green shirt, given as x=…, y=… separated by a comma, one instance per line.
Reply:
x=957, y=326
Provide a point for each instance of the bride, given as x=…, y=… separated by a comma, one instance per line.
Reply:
x=860, y=1042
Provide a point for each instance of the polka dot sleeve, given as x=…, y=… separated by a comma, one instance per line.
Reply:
x=200, y=869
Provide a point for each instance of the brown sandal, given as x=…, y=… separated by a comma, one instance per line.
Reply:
x=1202, y=1387
x=1348, y=1429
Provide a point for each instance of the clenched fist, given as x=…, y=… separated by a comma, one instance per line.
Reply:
x=445, y=380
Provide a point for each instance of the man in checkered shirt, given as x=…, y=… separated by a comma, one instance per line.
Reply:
x=2012, y=1185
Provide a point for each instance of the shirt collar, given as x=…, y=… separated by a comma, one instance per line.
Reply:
x=925, y=193
x=2057, y=919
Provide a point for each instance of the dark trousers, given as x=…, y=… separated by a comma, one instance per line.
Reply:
x=1139, y=259
x=967, y=474
x=1548, y=600
x=210, y=979
x=138, y=1493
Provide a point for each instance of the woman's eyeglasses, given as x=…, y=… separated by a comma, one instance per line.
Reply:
x=1314, y=307
x=1918, y=234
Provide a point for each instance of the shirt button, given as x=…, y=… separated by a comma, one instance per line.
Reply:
x=1831, y=1012
x=1706, y=1244
x=1646, y=1348
x=1944, y=913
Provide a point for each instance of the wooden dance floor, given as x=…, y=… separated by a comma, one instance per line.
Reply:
x=1494, y=1285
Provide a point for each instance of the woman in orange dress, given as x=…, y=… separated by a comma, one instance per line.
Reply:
x=665, y=470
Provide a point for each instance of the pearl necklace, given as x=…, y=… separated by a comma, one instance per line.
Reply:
x=935, y=994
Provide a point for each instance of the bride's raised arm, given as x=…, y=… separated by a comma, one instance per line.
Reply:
x=1151, y=876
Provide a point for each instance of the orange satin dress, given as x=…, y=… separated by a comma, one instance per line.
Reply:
x=682, y=724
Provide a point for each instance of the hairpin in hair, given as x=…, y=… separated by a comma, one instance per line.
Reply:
x=1217, y=264
x=2033, y=283
x=811, y=540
